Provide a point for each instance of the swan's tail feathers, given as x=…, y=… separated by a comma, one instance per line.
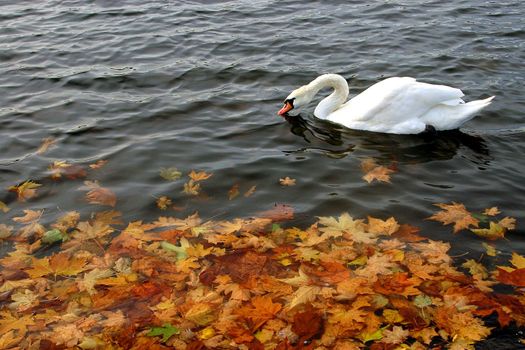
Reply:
x=448, y=117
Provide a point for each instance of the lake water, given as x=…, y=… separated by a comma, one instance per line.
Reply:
x=196, y=85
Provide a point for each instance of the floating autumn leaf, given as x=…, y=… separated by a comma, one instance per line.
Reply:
x=164, y=202
x=61, y=168
x=170, y=174
x=495, y=231
x=373, y=171
x=46, y=144
x=233, y=191
x=250, y=191
x=99, y=195
x=98, y=164
x=489, y=249
x=491, y=211
x=4, y=207
x=287, y=181
x=456, y=214
x=199, y=176
x=25, y=190
x=59, y=264
x=192, y=188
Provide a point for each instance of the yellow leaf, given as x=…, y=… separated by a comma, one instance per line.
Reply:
x=202, y=314
x=58, y=264
x=475, y=268
x=373, y=171
x=489, y=249
x=518, y=261
x=508, y=223
x=495, y=231
x=25, y=190
x=303, y=295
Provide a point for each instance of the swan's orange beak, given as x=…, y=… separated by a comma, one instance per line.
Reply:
x=287, y=107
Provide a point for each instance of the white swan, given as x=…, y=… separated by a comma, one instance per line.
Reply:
x=394, y=105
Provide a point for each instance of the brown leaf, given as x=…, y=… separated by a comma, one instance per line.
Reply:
x=455, y=213
x=279, y=212
x=46, y=143
x=98, y=194
x=492, y=211
x=373, y=171
x=233, y=192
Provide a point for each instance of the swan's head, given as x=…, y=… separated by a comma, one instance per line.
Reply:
x=298, y=98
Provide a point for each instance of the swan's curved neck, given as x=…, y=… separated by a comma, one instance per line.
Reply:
x=335, y=99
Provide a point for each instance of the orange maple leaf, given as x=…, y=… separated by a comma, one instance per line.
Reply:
x=262, y=310
x=373, y=171
x=58, y=264
x=199, y=176
x=455, y=213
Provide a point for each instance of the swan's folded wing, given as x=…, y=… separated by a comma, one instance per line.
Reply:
x=397, y=99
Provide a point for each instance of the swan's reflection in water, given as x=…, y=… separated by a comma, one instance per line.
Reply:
x=336, y=141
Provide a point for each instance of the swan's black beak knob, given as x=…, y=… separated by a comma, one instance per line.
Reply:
x=287, y=107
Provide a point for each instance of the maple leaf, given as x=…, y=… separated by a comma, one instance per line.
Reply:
x=31, y=219
x=333, y=227
x=233, y=192
x=303, y=295
x=46, y=143
x=495, y=231
x=518, y=261
x=99, y=195
x=489, y=249
x=170, y=174
x=508, y=223
x=9, y=340
x=91, y=278
x=192, y=188
x=164, y=202
x=199, y=176
x=17, y=323
x=462, y=325
x=201, y=313
x=62, y=168
x=67, y=334
x=395, y=336
x=23, y=300
x=380, y=227
x=67, y=221
x=373, y=171
x=58, y=264
x=492, y=211
x=455, y=213
x=262, y=310
x=166, y=331
x=287, y=181
x=514, y=277
x=98, y=164
x=25, y=190
x=475, y=268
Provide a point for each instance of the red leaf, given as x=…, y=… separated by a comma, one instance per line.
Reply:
x=515, y=278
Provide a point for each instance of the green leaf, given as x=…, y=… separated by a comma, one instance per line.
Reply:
x=170, y=174
x=422, y=301
x=166, y=331
x=53, y=236
x=179, y=250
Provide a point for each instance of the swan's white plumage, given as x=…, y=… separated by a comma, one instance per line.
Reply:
x=398, y=105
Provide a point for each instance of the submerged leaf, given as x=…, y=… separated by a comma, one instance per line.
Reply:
x=170, y=174
x=287, y=181
x=98, y=194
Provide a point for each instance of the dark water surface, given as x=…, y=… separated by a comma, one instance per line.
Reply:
x=196, y=85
